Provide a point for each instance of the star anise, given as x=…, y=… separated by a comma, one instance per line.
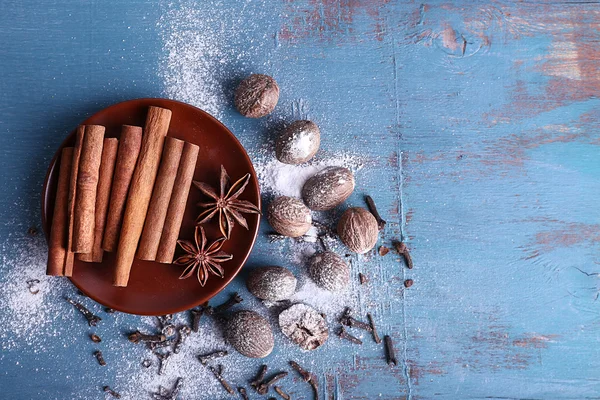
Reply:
x=226, y=203
x=202, y=258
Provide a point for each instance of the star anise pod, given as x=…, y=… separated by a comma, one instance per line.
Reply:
x=226, y=203
x=202, y=258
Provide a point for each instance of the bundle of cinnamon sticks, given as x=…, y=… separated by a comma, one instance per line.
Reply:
x=126, y=195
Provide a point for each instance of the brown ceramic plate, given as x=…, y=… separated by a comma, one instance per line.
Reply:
x=154, y=288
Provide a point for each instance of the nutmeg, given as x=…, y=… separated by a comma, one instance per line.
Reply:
x=250, y=334
x=329, y=271
x=298, y=143
x=357, y=228
x=304, y=325
x=256, y=96
x=271, y=283
x=328, y=188
x=289, y=216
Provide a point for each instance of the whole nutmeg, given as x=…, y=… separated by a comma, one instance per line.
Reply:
x=289, y=216
x=250, y=334
x=271, y=283
x=329, y=271
x=328, y=188
x=298, y=143
x=357, y=228
x=256, y=96
x=304, y=325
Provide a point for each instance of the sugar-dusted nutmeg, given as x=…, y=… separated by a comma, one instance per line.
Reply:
x=271, y=283
x=298, y=142
x=289, y=216
x=250, y=334
x=328, y=188
x=358, y=230
x=256, y=96
x=329, y=271
x=304, y=325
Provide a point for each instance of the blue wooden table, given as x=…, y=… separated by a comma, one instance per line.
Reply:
x=476, y=122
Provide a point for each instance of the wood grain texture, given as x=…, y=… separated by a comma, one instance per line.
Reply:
x=478, y=127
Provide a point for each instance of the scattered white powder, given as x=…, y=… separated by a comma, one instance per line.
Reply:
x=287, y=180
x=193, y=42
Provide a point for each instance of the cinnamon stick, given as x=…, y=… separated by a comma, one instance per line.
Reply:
x=87, y=185
x=57, y=244
x=70, y=257
x=129, y=149
x=144, y=176
x=161, y=196
x=174, y=217
x=107, y=167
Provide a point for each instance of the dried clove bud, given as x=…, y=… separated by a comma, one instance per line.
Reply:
x=307, y=377
x=345, y=335
x=137, y=337
x=184, y=331
x=260, y=377
x=164, y=360
x=232, y=301
x=373, y=329
x=218, y=374
x=283, y=394
x=389, y=351
x=403, y=251
x=196, y=315
x=114, y=394
x=348, y=320
x=408, y=283
x=263, y=388
x=89, y=316
x=362, y=278
x=371, y=205
x=211, y=356
x=243, y=393
x=100, y=357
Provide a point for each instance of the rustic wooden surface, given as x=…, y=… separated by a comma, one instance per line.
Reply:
x=479, y=121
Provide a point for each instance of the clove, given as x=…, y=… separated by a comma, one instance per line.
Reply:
x=403, y=251
x=362, y=278
x=348, y=320
x=307, y=377
x=89, y=316
x=196, y=315
x=371, y=204
x=137, y=337
x=390, y=354
x=114, y=394
x=100, y=357
x=345, y=335
x=283, y=394
x=408, y=283
x=211, y=356
x=373, y=329
x=218, y=374
x=184, y=331
x=164, y=360
x=263, y=388
x=259, y=378
x=232, y=301
x=163, y=394
x=243, y=392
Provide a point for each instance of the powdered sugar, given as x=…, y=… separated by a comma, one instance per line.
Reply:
x=287, y=180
